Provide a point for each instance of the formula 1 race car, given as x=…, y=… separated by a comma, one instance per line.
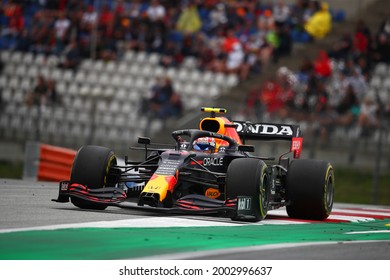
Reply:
x=208, y=171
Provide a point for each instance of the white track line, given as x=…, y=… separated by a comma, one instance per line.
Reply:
x=163, y=222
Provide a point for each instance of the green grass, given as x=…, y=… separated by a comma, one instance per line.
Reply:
x=11, y=170
x=352, y=186
x=356, y=186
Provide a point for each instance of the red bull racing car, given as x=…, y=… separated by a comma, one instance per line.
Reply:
x=209, y=170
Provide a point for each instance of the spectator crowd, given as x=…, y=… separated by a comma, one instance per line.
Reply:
x=241, y=37
x=227, y=36
x=332, y=89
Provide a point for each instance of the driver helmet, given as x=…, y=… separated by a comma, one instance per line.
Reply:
x=204, y=144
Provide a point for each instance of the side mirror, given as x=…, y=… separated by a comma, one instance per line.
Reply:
x=144, y=140
x=246, y=148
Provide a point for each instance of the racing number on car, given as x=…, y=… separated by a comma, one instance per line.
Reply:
x=244, y=203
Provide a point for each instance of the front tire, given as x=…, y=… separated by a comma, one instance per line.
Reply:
x=249, y=177
x=310, y=189
x=90, y=168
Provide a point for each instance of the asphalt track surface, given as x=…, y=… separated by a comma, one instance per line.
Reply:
x=25, y=204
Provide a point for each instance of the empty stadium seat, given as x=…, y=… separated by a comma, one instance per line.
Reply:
x=116, y=81
x=375, y=82
x=92, y=78
x=3, y=81
x=154, y=59
x=86, y=64
x=141, y=57
x=380, y=69
x=56, y=74
x=98, y=65
x=386, y=83
x=9, y=69
x=40, y=59
x=104, y=79
x=147, y=71
x=96, y=91
x=123, y=68
x=5, y=56
x=28, y=58
x=111, y=66
x=129, y=56
x=21, y=70
x=16, y=57
x=85, y=90
x=190, y=62
x=68, y=75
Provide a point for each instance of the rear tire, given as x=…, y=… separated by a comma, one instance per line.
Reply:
x=249, y=177
x=310, y=189
x=90, y=168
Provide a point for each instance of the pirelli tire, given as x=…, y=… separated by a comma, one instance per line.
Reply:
x=90, y=168
x=310, y=189
x=249, y=177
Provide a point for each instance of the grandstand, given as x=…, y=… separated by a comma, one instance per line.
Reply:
x=100, y=93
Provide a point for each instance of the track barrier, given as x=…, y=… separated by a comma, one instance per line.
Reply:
x=47, y=163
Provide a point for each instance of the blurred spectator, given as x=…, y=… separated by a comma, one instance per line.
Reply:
x=156, y=11
x=61, y=27
x=135, y=9
x=322, y=65
x=253, y=49
x=107, y=42
x=362, y=39
x=281, y=13
x=284, y=43
x=164, y=102
x=320, y=23
x=368, y=116
x=235, y=62
x=89, y=19
x=345, y=114
x=287, y=82
x=385, y=26
x=343, y=47
x=171, y=56
x=206, y=58
x=217, y=18
x=297, y=12
x=52, y=97
x=175, y=106
x=37, y=96
x=349, y=108
x=23, y=41
x=16, y=20
x=304, y=71
x=358, y=83
x=363, y=62
x=189, y=20
x=151, y=26
x=106, y=17
x=270, y=97
x=71, y=55
x=310, y=8
x=254, y=103
x=382, y=49
x=42, y=34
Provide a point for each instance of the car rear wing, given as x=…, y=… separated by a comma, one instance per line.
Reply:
x=268, y=131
